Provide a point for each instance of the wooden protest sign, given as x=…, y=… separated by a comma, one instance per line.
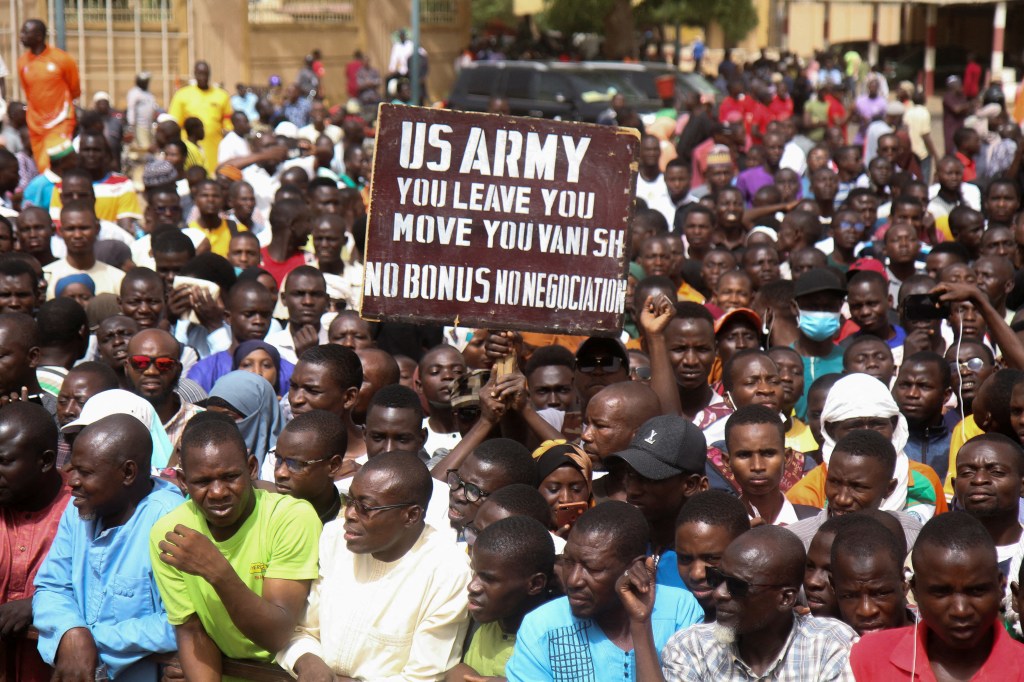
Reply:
x=501, y=222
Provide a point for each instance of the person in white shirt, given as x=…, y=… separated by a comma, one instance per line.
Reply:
x=320, y=124
x=755, y=438
x=80, y=228
x=406, y=583
x=234, y=142
x=401, y=53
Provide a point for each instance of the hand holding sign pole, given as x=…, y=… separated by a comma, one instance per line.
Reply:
x=504, y=222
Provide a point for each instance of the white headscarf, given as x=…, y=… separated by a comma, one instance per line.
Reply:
x=861, y=395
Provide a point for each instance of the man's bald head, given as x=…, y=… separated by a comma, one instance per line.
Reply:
x=31, y=422
x=118, y=438
x=406, y=474
x=159, y=338
x=380, y=365
x=634, y=401
x=776, y=553
x=19, y=328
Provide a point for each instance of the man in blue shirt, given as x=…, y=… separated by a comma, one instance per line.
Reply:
x=587, y=635
x=664, y=465
x=96, y=604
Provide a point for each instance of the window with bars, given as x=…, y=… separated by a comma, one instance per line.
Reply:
x=301, y=11
x=439, y=11
x=121, y=11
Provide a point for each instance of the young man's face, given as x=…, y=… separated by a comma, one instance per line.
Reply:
x=958, y=593
x=817, y=584
x=854, y=483
x=950, y=175
x=499, y=587
x=699, y=545
x=869, y=591
x=869, y=305
x=757, y=457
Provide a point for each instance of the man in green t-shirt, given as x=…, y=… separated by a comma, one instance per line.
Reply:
x=513, y=561
x=233, y=564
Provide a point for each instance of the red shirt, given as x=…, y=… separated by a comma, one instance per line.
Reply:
x=889, y=655
x=731, y=106
x=781, y=109
x=280, y=270
x=970, y=167
x=836, y=113
x=25, y=539
x=758, y=118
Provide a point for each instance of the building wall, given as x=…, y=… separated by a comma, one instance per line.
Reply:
x=240, y=47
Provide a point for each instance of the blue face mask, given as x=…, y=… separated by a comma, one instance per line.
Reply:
x=818, y=326
x=238, y=271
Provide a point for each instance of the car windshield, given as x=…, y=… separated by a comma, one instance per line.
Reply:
x=698, y=83
x=597, y=86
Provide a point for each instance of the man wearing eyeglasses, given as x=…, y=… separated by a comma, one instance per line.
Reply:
x=309, y=458
x=153, y=368
x=756, y=634
x=233, y=564
x=494, y=464
x=391, y=600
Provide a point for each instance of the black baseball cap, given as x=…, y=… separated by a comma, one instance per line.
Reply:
x=817, y=280
x=666, y=446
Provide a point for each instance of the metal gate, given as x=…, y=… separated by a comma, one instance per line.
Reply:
x=112, y=41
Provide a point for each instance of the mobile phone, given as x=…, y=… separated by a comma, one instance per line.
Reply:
x=566, y=514
x=572, y=426
x=925, y=307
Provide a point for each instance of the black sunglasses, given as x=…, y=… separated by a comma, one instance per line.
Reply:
x=590, y=365
x=738, y=587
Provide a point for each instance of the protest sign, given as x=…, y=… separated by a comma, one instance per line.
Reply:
x=499, y=221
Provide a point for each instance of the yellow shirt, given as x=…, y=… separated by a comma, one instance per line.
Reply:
x=211, y=106
x=962, y=432
x=220, y=236
x=799, y=437
x=279, y=540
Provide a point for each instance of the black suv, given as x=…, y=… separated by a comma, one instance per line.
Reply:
x=574, y=92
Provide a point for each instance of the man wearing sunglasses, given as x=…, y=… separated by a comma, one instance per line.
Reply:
x=600, y=362
x=153, y=368
x=757, y=634
x=400, y=576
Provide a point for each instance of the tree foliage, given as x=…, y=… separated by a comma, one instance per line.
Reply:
x=736, y=17
x=486, y=11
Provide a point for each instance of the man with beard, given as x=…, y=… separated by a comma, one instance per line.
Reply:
x=590, y=631
x=757, y=633
x=154, y=369
x=95, y=605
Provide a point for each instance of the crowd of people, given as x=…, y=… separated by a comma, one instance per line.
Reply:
x=801, y=460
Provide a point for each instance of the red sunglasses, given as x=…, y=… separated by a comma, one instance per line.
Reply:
x=164, y=363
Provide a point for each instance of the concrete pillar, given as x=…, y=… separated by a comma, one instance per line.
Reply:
x=826, y=26
x=931, y=17
x=998, y=36
x=873, y=45
x=782, y=21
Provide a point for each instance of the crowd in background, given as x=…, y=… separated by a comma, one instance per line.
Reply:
x=801, y=459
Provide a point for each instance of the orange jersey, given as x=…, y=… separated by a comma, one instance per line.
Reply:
x=50, y=82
